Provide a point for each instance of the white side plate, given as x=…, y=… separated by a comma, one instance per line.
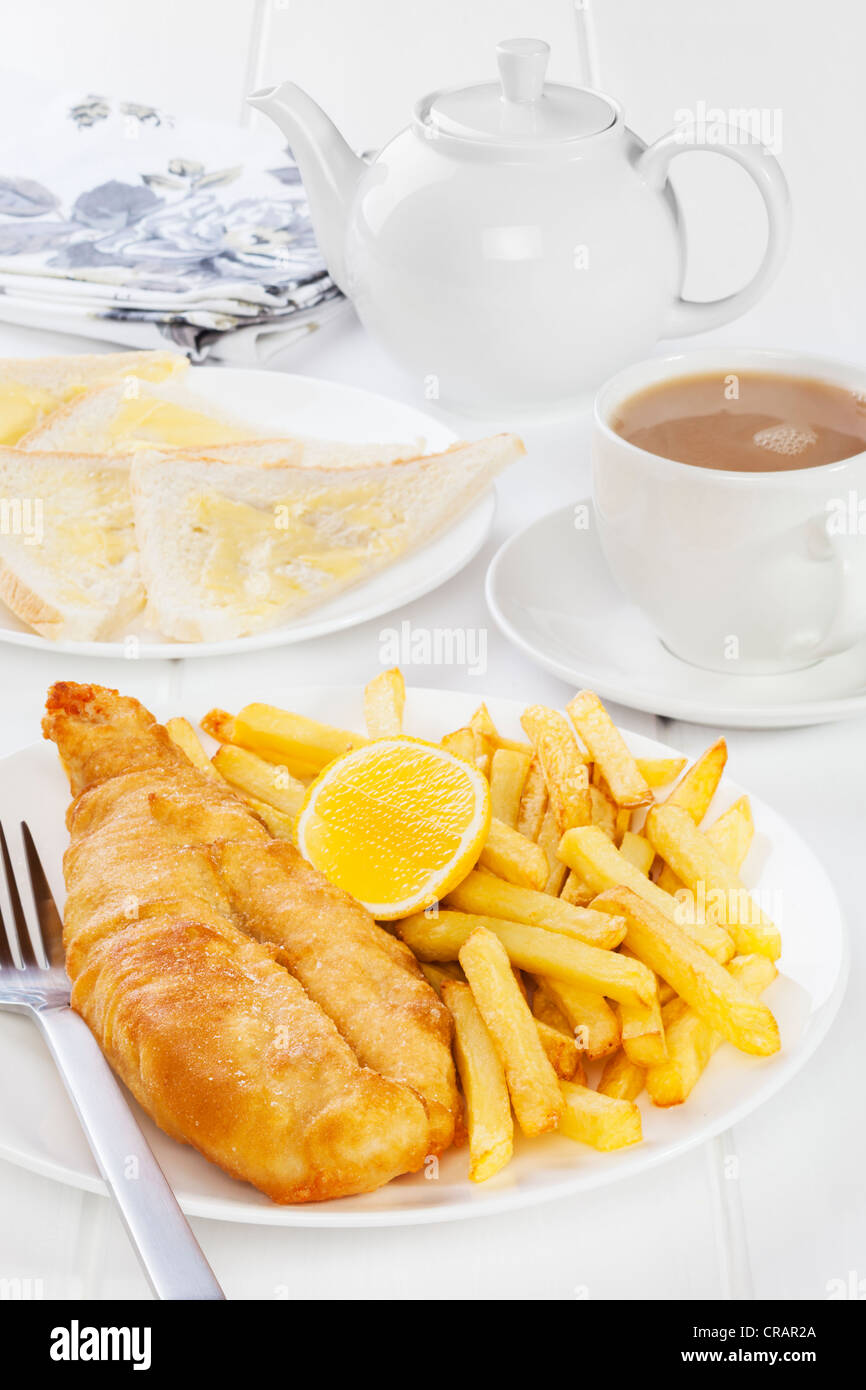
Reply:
x=276, y=402
x=38, y=1128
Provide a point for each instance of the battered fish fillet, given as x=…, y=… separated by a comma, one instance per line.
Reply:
x=367, y=981
x=174, y=892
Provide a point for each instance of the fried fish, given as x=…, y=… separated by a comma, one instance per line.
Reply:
x=255, y=1011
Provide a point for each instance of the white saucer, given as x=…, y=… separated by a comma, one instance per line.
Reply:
x=550, y=592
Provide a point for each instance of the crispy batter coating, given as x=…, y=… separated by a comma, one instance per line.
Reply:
x=190, y=940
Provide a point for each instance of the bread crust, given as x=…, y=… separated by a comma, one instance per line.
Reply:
x=54, y=372
x=32, y=439
x=109, y=396
x=27, y=605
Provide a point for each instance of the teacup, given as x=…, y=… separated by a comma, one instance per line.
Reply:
x=755, y=573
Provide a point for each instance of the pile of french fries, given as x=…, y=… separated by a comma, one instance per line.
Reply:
x=604, y=924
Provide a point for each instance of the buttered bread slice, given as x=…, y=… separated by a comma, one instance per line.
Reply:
x=68, y=559
x=133, y=414
x=234, y=542
x=31, y=389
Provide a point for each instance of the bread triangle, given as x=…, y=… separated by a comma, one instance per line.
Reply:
x=129, y=415
x=68, y=558
x=236, y=544
x=32, y=388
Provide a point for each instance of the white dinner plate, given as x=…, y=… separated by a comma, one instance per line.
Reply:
x=551, y=593
x=277, y=402
x=39, y=1130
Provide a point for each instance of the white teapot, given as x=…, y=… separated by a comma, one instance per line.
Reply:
x=516, y=243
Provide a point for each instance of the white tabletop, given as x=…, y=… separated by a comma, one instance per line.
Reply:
x=774, y=1209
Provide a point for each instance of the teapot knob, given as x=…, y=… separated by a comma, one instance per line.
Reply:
x=522, y=66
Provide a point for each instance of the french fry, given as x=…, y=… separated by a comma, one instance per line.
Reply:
x=533, y=802
x=692, y=1042
x=548, y=841
x=551, y=1020
x=702, y=982
x=482, y=1076
x=620, y=1078
x=484, y=737
x=483, y=750
x=253, y=777
x=638, y=851
x=483, y=732
x=694, y=793
x=563, y=764
x=743, y=807
x=384, y=698
x=535, y=949
x=482, y=723
x=575, y=891
x=607, y=749
x=532, y=1082
x=546, y=1010
x=508, y=772
x=658, y=772
x=487, y=896
x=520, y=982
x=510, y=855
x=664, y=989
x=601, y=866
x=562, y=1052
x=593, y=1118
x=603, y=811
x=732, y=834
x=514, y=745
x=435, y=975
x=643, y=1034
x=461, y=743
x=674, y=835
x=278, y=824
x=593, y=1022
x=219, y=724
x=696, y=789
x=184, y=736
x=665, y=878
x=293, y=739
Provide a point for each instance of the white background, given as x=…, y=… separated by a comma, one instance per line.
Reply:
x=792, y=1218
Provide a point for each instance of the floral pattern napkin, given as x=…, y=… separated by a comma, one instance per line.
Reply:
x=122, y=222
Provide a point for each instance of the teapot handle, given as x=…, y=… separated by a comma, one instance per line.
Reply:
x=689, y=315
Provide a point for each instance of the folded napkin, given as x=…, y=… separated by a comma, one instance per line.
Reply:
x=121, y=222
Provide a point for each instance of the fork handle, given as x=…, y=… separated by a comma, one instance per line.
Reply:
x=170, y=1255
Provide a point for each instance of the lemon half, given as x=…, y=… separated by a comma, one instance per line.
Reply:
x=397, y=823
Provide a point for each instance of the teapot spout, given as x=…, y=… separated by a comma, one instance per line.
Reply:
x=329, y=169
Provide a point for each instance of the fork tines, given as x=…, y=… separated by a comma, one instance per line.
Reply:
x=34, y=936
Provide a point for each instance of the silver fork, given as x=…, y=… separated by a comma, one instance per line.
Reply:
x=37, y=984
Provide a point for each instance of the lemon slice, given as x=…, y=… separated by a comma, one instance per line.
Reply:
x=396, y=823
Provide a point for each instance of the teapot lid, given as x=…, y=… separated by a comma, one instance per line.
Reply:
x=520, y=109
